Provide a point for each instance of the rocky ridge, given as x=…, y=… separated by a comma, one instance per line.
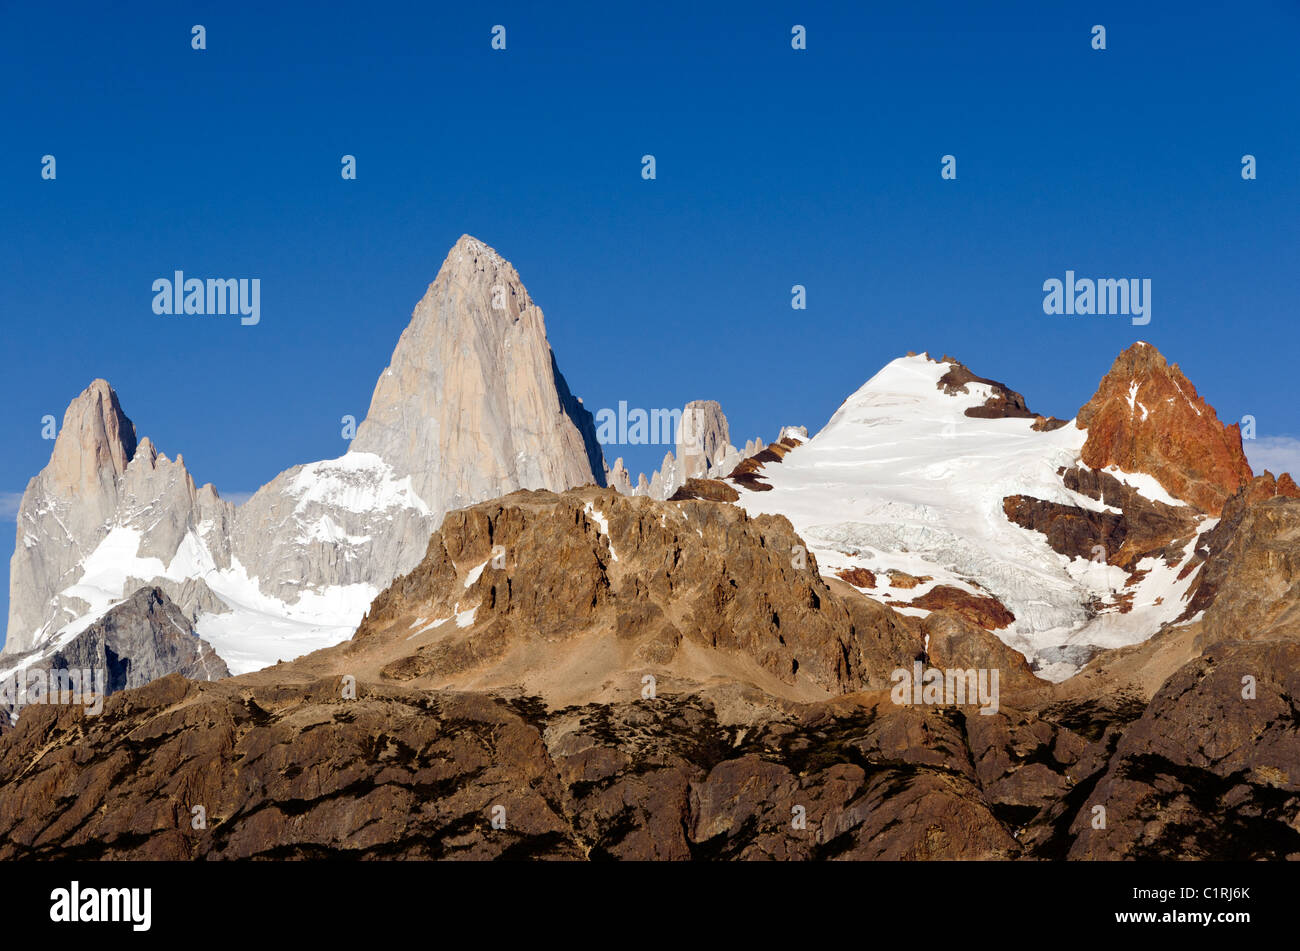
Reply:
x=409, y=740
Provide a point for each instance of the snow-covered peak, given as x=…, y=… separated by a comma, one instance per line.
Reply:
x=907, y=392
x=910, y=477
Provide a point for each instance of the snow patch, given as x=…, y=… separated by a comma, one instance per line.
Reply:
x=603, y=524
x=475, y=572
x=358, y=482
x=1147, y=486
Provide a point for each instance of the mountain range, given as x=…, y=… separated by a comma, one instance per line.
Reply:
x=472, y=611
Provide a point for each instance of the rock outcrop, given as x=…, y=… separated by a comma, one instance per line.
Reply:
x=703, y=440
x=65, y=507
x=472, y=406
x=620, y=479
x=139, y=640
x=100, y=483
x=982, y=609
x=1147, y=417
x=703, y=452
x=608, y=588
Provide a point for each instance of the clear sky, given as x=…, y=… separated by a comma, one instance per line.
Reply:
x=775, y=167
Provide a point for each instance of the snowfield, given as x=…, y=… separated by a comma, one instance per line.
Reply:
x=259, y=629
x=356, y=482
x=257, y=632
x=900, y=478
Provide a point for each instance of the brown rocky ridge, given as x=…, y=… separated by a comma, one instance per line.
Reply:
x=901, y=579
x=748, y=474
x=524, y=688
x=858, y=577
x=982, y=609
x=1003, y=402
x=713, y=490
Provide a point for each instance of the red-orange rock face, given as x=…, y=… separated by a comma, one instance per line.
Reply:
x=1266, y=487
x=1147, y=417
x=986, y=611
x=858, y=577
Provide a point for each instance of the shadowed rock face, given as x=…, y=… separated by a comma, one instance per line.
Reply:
x=1249, y=585
x=302, y=773
x=145, y=637
x=1212, y=768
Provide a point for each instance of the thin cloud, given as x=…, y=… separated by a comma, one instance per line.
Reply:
x=9, y=502
x=236, y=498
x=1277, y=454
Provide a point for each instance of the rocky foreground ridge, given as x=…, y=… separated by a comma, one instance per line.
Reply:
x=504, y=680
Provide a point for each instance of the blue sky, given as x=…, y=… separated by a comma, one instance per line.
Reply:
x=775, y=167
